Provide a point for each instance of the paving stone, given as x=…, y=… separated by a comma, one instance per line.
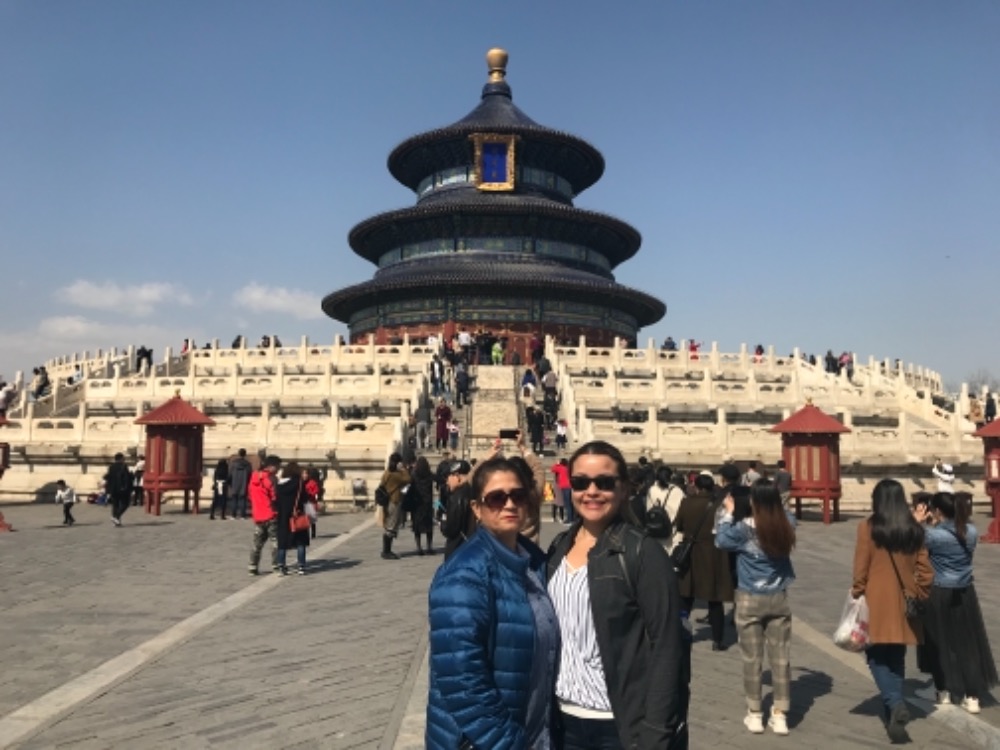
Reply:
x=336, y=659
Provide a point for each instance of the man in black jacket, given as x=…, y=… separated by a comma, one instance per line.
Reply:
x=118, y=484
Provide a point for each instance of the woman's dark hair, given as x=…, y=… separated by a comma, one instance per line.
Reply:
x=893, y=526
x=741, y=502
x=422, y=469
x=603, y=448
x=514, y=465
x=291, y=469
x=775, y=533
x=954, y=508
x=222, y=467
x=394, y=461
x=663, y=477
x=704, y=483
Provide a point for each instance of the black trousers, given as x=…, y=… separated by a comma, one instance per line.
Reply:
x=716, y=617
x=68, y=513
x=119, y=504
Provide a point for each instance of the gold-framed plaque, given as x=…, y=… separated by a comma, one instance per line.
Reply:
x=494, y=161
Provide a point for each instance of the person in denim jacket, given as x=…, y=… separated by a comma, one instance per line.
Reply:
x=763, y=544
x=956, y=651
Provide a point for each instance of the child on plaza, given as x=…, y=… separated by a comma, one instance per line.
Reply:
x=66, y=496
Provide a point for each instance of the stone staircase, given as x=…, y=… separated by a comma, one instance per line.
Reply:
x=494, y=406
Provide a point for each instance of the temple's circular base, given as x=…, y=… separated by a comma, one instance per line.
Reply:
x=517, y=336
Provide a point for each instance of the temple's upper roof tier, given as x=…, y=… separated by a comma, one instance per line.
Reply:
x=481, y=273
x=496, y=215
x=539, y=147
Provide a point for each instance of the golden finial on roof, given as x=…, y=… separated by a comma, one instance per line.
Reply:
x=496, y=59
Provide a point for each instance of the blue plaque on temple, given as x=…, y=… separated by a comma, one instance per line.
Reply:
x=494, y=164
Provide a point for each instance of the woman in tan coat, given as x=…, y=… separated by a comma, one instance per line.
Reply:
x=709, y=578
x=890, y=563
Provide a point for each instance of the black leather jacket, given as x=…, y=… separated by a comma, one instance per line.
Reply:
x=636, y=610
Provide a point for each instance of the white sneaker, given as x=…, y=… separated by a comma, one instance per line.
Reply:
x=754, y=722
x=970, y=704
x=778, y=723
x=937, y=697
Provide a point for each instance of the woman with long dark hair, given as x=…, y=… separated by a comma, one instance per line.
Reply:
x=763, y=545
x=290, y=497
x=422, y=515
x=708, y=577
x=494, y=638
x=891, y=565
x=956, y=650
x=624, y=665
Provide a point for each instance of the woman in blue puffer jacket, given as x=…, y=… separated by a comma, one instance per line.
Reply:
x=494, y=638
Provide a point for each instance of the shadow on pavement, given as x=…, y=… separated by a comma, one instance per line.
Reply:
x=318, y=566
x=807, y=686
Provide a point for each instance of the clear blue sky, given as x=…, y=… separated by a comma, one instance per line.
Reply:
x=812, y=174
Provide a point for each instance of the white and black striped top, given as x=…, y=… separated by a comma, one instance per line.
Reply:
x=581, y=675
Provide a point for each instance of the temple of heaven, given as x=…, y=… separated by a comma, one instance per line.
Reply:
x=494, y=242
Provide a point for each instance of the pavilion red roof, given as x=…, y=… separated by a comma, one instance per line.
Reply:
x=810, y=419
x=176, y=411
x=992, y=430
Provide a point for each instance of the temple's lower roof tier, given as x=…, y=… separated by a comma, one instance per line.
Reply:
x=491, y=275
x=495, y=215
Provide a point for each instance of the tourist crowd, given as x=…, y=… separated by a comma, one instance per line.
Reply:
x=587, y=645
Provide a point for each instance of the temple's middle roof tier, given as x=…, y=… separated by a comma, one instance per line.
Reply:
x=485, y=215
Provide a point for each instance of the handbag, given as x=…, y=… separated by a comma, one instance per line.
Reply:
x=680, y=556
x=914, y=607
x=299, y=521
x=381, y=496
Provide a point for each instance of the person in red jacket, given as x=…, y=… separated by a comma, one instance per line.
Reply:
x=561, y=470
x=262, y=495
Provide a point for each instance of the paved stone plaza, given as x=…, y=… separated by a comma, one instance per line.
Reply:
x=153, y=636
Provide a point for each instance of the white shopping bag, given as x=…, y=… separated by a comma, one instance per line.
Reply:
x=852, y=632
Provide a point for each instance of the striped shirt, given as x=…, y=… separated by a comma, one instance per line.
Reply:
x=581, y=674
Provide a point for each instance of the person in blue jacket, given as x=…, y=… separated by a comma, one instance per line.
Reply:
x=494, y=638
x=956, y=650
x=763, y=544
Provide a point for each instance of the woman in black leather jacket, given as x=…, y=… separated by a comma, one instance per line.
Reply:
x=625, y=660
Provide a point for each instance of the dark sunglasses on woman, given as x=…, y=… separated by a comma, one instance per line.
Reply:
x=605, y=482
x=497, y=499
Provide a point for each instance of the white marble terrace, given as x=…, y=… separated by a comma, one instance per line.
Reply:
x=687, y=408
x=346, y=407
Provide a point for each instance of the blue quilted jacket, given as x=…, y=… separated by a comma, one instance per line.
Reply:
x=482, y=636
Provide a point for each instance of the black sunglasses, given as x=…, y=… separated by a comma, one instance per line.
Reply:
x=605, y=482
x=497, y=499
